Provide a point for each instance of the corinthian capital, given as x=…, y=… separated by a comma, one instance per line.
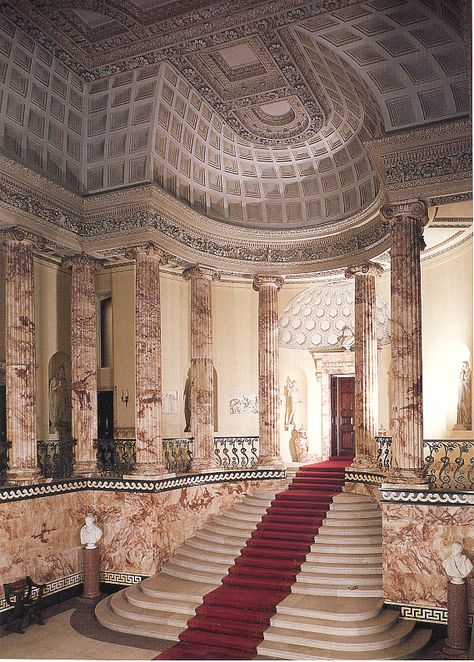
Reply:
x=16, y=235
x=368, y=268
x=82, y=260
x=149, y=249
x=262, y=280
x=415, y=209
x=200, y=271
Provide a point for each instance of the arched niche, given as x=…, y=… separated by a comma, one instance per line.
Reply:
x=59, y=395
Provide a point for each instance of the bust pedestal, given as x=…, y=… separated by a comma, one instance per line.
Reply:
x=91, y=565
x=457, y=644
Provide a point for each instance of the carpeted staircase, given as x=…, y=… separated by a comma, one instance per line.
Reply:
x=232, y=618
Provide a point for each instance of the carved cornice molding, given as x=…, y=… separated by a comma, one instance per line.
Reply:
x=427, y=162
x=16, y=235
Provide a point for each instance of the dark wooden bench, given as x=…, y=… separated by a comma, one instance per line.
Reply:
x=25, y=596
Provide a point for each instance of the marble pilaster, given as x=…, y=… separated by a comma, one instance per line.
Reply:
x=20, y=356
x=83, y=360
x=202, y=368
x=148, y=399
x=268, y=378
x=406, y=223
x=365, y=351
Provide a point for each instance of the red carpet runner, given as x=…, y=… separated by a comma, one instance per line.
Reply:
x=231, y=621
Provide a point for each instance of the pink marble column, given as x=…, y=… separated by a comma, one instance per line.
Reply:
x=148, y=395
x=366, y=386
x=202, y=368
x=406, y=222
x=83, y=360
x=20, y=357
x=268, y=378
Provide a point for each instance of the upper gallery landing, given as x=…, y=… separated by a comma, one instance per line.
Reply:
x=254, y=113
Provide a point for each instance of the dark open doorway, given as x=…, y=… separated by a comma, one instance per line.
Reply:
x=342, y=415
x=105, y=414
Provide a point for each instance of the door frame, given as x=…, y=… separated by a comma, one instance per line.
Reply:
x=328, y=364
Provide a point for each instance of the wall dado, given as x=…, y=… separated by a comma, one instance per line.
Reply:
x=143, y=522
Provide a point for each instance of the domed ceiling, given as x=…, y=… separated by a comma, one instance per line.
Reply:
x=252, y=113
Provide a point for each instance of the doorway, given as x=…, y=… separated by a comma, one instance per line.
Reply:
x=105, y=414
x=342, y=414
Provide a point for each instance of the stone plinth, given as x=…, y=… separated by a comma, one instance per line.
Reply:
x=268, y=378
x=457, y=642
x=20, y=357
x=91, y=567
x=83, y=360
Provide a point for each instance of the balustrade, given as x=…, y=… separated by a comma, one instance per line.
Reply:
x=56, y=458
x=115, y=457
x=178, y=455
x=236, y=452
x=448, y=463
x=4, y=446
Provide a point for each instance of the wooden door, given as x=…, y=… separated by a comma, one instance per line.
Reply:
x=105, y=414
x=342, y=415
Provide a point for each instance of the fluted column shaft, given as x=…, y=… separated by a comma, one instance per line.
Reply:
x=268, y=374
x=20, y=358
x=83, y=360
x=202, y=368
x=148, y=398
x=366, y=383
x=406, y=222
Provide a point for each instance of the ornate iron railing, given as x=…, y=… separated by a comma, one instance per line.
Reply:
x=178, y=454
x=115, y=457
x=4, y=446
x=56, y=458
x=449, y=463
x=384, y=451
x=236, y=452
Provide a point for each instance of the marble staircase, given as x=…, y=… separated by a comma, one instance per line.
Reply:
x=335, y=610
x=161, y=605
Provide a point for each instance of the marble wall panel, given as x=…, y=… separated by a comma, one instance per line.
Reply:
x=40, y=537
x=416, y=540
x=366, y=489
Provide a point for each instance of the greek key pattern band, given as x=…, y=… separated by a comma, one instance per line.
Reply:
x=424, y=614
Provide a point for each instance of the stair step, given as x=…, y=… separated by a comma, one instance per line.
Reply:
x=330, y=608
x=212, y=547
x=327, y=537
x=353, y=498
x=206, y=575
x=379, y=623
x=339, y=591
x=220, y=534
x=405, y=650
x=137, y=597
x=320, y=552
x=216, y=566
x=207, y=554
x=351, y=529
x=323, y=578
x=167, y=586
x=121, y=606
x=322, y=567
x=113, y=621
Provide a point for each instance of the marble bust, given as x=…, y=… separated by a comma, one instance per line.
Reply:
x=91, y=533
x=457, y=565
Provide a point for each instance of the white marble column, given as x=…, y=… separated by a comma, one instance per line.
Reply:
x=268, y=376
x=20, y=357
x=406, y=222
x=84, y=360
x=202, y=367
x=366, y=384
x=148, y=388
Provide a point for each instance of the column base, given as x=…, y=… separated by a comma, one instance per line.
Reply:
x=203, y=465
x=23, y=476
x=266, y=461
x=85, y=469
x=149, y=471
x=413, y=478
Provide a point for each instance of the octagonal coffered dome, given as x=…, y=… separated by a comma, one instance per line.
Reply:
x=322, y=319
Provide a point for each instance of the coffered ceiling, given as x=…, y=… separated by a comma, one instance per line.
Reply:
x=252, y=113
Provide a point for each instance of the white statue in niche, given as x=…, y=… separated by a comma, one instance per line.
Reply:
x=464, y=411
x=292, y=400
x=457, y=565
x=91, y=533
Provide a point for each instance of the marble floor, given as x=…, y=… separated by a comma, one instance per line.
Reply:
x=71, y=632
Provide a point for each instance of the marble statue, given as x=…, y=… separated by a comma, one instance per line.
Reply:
x=457, y=565
x=464, y=412
x=91, y=533
x=58, y=400
x=301, y=445
x=292, y=395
